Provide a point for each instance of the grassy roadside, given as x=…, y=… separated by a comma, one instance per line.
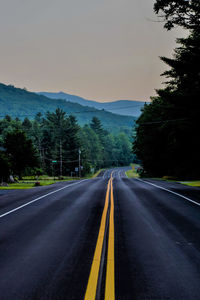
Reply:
x=28, y=182
x=133, y=172
x=191, y=183
x=195, y=183
x=97, y=173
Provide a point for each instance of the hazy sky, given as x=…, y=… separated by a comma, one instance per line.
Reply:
x=98, y=49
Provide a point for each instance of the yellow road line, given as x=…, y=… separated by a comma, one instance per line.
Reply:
x=93, y=278
x=110, y=273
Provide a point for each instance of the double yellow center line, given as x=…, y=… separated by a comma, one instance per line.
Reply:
x=110, y=267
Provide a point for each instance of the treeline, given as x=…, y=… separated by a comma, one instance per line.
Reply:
x=167, y=135
x=56, y=145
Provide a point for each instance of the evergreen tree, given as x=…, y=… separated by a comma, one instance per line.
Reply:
x=63, y=141
x=124, y=153
x=91, y=147
x=38, y=118
x=20, y=151
x=71, y=144
x=167, y=133
x=110, y=151
x=59, y=138
x=97, y=126
x=27, y=124
x=4, y=166
x=102, y=134
x=8, y=118
x=184, y=13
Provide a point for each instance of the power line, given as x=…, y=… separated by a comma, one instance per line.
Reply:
x=164, y=121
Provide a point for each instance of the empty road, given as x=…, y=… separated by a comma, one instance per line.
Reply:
x=105, y=238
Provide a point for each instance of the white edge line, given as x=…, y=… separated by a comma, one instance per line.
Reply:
x=177, y=194
x=34, y=200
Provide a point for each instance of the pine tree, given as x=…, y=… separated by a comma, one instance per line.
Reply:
x=167, y=133
x=27, y=124
x=20, y=151
x=184, y=13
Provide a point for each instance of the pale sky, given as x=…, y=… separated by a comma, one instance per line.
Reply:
x=99, y=49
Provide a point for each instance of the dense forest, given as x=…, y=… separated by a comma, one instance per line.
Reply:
x=20, y=103
x=167, y=135
x=55, y=144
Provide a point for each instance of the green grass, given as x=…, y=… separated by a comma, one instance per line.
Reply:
x=188, y=182
x=17, y=186
x=29, y=183
x=97, y=173
x=191, y=183
x=132, y=173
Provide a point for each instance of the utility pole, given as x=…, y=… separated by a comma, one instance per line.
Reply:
x=79, y=162
x=53, y=170
x=40, y=151
x=43, y=159
x=61, y=162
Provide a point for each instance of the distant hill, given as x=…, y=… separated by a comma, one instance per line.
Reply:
x=121, y=107
x=21, y=103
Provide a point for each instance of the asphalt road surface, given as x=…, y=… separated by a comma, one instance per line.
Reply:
x=104, y=238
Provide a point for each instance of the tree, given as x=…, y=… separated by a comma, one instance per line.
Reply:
x=97, y=126
x=36, y=133
x=27, y=124
x=20, y=151
x=184, y=67
x=167, y=131
x=150, y=144
x=59, y=138
x=124, y=153
x=102, y=134
x=55, y=123
x=91, y=147
x=8, y=125
x=4, y=166
x=71, y=144
x=184, y=13
x=38, y=118
x=61, y=141
x=8, y=118
x=110, y=151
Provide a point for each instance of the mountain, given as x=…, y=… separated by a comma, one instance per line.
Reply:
x=21, y=103
x=71, y=98
x=121, y=107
